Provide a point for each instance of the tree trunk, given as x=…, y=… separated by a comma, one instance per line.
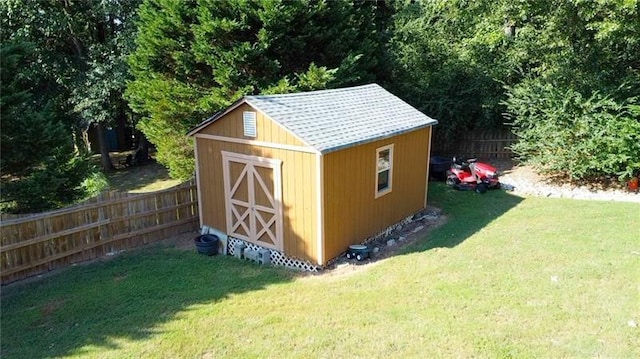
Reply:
x=81, y=140
x=105, y=159
x=122, y=127
x=142, y=152
x=77, y=44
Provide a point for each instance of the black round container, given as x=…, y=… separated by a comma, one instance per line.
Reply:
x=207, y=244
x=438, y=167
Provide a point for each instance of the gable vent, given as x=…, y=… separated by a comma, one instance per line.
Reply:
x=249, y=120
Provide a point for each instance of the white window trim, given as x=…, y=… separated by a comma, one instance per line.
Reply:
x=250, y=123
x=390, y=187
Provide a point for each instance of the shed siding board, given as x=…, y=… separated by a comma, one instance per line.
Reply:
x=352, y=213
x=299, y=225
x=231, y=125
x=211, y=187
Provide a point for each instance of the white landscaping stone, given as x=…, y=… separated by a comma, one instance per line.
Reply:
x=391, y=243
x=520, y=183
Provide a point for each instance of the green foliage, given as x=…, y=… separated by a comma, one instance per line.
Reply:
x=194, y=58
x=583, y=137
x=96, y=183
x=169, y=101
x=316, y=78
x=450, y=60
x=575, y=113
x=80, y=51
x=566, y=73
x=29, y=130
x=40, y=169
x=56, y=183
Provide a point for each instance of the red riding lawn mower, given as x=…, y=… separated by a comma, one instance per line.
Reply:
x=472, y=175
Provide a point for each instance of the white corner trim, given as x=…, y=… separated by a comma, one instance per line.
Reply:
x=426, y=181
x=320, y=207
x=257, y=143
x=198, y=184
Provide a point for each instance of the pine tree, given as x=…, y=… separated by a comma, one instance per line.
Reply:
x=81, y=47
x=39, y=167
x=194, y=58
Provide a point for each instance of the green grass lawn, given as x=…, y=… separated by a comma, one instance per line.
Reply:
x=504, y=277
x=136, y=179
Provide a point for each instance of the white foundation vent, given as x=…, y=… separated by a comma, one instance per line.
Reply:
x=276, y=257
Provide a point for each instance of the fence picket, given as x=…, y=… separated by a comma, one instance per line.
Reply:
x=35, y=244
x=485, y=144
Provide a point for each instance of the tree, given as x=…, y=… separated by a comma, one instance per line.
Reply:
x=39, y=167
x=576, y=112
x=81, y=48
x=451, y=60
x=561, y=131
x=193, y=58
x=469, y=63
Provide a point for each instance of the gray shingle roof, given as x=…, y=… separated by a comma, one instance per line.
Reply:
x=330, y=120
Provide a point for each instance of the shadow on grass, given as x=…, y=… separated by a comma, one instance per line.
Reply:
x=127, y=298
x=137, y=177
x=131, y=178
x=467, y=213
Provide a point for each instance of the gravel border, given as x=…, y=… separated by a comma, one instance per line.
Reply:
x=523, y=180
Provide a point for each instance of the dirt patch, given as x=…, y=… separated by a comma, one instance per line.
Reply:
x=403, y=236
x=182, y=241
x=390, y=245
x=509, y=168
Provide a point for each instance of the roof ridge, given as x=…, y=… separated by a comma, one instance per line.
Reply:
x=316, y=92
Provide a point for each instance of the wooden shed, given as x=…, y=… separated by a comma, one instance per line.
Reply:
x=305, y=175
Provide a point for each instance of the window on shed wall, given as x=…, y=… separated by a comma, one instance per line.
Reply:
x=249, y=123
x=384, y=170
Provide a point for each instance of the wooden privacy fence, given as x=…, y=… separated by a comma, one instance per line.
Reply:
x=487, y=144
x=103, y=225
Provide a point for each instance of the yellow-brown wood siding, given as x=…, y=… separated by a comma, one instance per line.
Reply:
x=299, y=185
x=351, y=211
x=231, y=125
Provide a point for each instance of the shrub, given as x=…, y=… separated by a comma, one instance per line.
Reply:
x=562, y=131
x=95, y=183
x=56, y=183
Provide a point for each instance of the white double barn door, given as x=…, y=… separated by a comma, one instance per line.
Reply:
x=253, y=199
